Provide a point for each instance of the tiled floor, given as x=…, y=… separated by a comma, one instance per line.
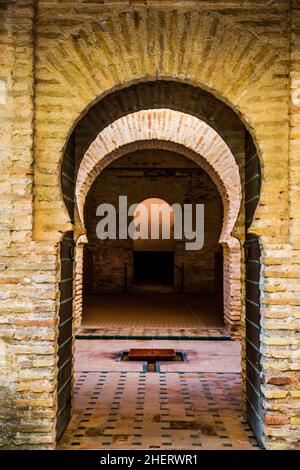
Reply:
x=152, y=316
x=189, y=405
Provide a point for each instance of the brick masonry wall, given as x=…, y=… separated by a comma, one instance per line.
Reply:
x=189, y=184
x=281, y=310
x=113, y=41
x=246, y=55
x=29, y=269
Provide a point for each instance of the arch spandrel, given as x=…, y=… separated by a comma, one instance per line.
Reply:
x=77, y=70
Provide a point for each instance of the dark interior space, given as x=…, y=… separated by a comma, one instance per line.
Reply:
x=154, y=266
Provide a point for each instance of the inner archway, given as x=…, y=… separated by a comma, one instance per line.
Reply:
x=151, y=263
x=199, y=142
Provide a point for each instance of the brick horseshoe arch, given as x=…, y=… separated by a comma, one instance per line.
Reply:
x=166, y=125
x=97, y=170
x=87, y=179
x=195, y=139
x=116, y=51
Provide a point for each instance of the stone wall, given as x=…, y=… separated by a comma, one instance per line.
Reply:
x=57, y=59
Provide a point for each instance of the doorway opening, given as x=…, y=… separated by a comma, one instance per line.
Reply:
x=212, y=367
x=153, y=267
x=153, y=258
x=183, y=284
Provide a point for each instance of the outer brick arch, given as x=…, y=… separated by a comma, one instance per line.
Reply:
x=196, y=140
x=85, y=65
x=147, y=44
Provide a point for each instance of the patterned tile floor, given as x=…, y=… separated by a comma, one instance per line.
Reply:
x=157, y=411
x=181, y=407
x=149, y=333
x=152, y=316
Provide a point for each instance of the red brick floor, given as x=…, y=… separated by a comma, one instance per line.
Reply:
x=187, y=405
x=152, y=315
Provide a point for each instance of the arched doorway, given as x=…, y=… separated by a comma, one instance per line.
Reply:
x=173, y=268
x=153, y=247
x=252, y=369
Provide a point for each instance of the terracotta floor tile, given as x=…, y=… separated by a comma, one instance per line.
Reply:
x=119, y=406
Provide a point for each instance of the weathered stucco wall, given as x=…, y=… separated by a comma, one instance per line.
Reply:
x=59, y=58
